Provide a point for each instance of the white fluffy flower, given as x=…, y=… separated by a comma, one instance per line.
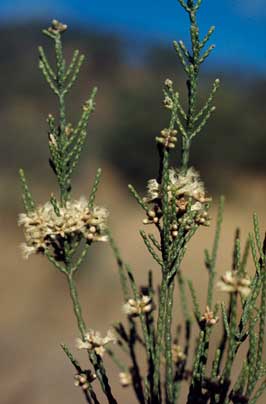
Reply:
x=44, y=226
x=125, y=379
x=232, y=283
x=135, y=307
x=177, y=354
x=27, y=250
x=208, y=317
x=153, y=188
x=94, y=341
x=188, y=184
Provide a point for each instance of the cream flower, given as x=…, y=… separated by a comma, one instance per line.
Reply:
x=177, y=354
x=183, y=189
x=80, y=344
x=57, y=27
x=43, y=227
x=208, y=317
x=167, y=138
x=168, y=102
x=153, y=216
x=168, y=83
x=232, y=283
x=83, y=380
x=153, y=188
x=125, y=379
x=95, y=342
x=27, y=250
x=136, y=307
x=188, y=184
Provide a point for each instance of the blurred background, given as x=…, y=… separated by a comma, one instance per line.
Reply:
x=128, y=49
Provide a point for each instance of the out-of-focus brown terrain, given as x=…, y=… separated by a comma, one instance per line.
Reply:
x=36, y=313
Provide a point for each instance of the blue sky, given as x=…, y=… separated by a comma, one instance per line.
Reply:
x=240, y=24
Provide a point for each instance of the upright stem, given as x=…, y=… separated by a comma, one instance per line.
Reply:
x=95, y=359
x=76, y=305
x=185, y=154
x=60, y=65
x=64, y=183
x=165, y=234
x=192, y=86
x=62, y=113
x=60, y=78
x=159, y=336
x=168, y=343
x=232, y=339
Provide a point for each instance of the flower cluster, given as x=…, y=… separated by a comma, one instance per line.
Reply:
x=169, y=95
x=185, y=190
x=167, y=138
x=168, y=102
x=177, y=354
x=136, y=307
x=168, y=84
x=83, y=380
x=231, y=282
x=95, y=342
x=47, y=227
x=208, y=317
x=57, y=27
x=125, y=379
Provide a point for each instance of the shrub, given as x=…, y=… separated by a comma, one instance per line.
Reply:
x=175, y=206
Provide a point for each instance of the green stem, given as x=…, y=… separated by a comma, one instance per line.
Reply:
x=165, y=234
x=261, y=340
x=168, y=343
x=185, y=154
x=64, y=183
x=60, y=74
x=159, y=336
x=89, y=393
x=232, y=339
x=149, y=348
x=62, y=112
x=76, y=305
x=95, y=359
x=192, y=86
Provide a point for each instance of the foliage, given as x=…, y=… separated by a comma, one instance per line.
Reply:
x=123, y=86
x=175, y=206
